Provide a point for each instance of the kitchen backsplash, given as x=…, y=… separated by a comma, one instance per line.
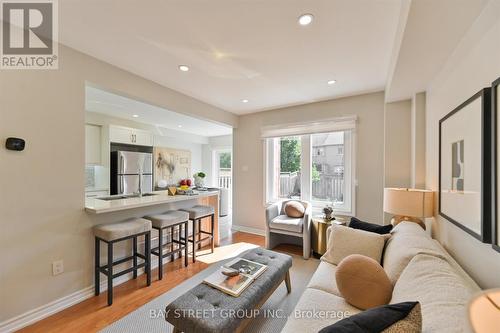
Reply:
x=89, y=176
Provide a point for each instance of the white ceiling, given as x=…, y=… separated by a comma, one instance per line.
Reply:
x=110, y=104
x=432, y=31
x=238, y=50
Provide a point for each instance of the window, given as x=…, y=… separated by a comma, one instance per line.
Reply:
x=285, y=164
x=223, y=168
x=330, y=174
x=315, y=167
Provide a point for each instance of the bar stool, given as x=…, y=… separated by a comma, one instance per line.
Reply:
x=196, y=213
x=165, y=221
x=114, y=233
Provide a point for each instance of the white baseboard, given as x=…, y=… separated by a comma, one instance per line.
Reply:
x=249, y=230
x=44, y=311
x=32, y=316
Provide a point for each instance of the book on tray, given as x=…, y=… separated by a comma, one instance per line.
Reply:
x=235, y=285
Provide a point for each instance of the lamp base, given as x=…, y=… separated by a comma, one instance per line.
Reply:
x=398, y=219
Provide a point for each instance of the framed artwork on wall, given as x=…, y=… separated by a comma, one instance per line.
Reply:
x=465, y=166
x=495, y=93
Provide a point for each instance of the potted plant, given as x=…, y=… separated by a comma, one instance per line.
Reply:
x=199, y=179
x=328, y=211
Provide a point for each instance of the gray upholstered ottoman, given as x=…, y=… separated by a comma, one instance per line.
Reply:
x=206, y=309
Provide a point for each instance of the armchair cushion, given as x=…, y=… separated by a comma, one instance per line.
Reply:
x=294, y=209
x=286, y=223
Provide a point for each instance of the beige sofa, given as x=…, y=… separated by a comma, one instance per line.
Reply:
x=420, y=269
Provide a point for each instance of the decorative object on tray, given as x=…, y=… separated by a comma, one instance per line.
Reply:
x=199, y=179
x=247, y=270
x=171, y=165
x=229, y=271
x=465, y=166
x=495, y=92
x=328, y=211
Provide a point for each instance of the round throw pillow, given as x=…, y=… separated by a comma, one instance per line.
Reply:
x=363, y=282
x=294, y=209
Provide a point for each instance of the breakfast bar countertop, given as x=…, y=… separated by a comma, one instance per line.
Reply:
x=98, y=206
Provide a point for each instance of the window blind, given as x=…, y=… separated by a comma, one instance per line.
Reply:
x=303, y=128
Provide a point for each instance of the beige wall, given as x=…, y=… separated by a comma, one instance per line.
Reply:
x=474, y=65
x=248, y=201
x=397, y=146
x=397, y=150
x=42, y=188
x=418, y=141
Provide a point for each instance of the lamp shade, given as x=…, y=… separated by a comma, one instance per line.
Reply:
x=409, y=202
x=484, y=311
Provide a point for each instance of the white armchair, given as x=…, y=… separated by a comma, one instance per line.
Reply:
x=283, y=229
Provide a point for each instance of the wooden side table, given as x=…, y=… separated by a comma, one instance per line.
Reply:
x=319, y=226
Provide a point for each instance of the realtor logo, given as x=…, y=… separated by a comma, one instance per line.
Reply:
x=29, y=34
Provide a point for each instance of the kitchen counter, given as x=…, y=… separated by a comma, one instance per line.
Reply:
x=97, y=206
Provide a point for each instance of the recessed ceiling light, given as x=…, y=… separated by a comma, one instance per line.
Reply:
x=332, y=81
x=135, y=116
x=305, y=19
x=183, y=68
x=180, y=126
x=244, y=100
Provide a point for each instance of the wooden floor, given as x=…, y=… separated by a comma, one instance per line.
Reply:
x=93, y=314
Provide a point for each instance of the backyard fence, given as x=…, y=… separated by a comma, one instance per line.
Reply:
x=289, y=184
x=329, y=187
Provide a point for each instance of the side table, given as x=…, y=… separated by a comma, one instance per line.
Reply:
x=319, y=226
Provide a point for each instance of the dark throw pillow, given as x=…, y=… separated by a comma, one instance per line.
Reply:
x=401, y=317
x=371, y=227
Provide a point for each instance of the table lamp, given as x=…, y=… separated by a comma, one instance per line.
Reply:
x=484, y=311
x=408, y=204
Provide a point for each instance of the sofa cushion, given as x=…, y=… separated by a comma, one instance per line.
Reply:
x=442, y=292
x=294, y=209
x=372, y=227
x=324, y=278
x=363, y=282
x=284, y=222
x=317, y=309
x=345, y=241
x=393, y=318
x=408, y=239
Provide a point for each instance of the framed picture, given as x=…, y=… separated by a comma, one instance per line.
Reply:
x=465, y=166
x=495, y=93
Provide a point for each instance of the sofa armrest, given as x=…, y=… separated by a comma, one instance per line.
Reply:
x=272, y=211
x=328, y=234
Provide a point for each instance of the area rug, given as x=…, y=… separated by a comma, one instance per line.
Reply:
x=149, y=318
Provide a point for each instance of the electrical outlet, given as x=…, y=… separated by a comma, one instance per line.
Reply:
x=57, y=267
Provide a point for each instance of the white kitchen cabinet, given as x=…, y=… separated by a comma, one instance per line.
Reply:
x=131, y=136
x=92, y=144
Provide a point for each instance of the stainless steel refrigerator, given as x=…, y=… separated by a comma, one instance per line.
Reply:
x=126, y=168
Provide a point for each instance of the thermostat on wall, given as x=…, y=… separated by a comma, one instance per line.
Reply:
x=15, y=144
